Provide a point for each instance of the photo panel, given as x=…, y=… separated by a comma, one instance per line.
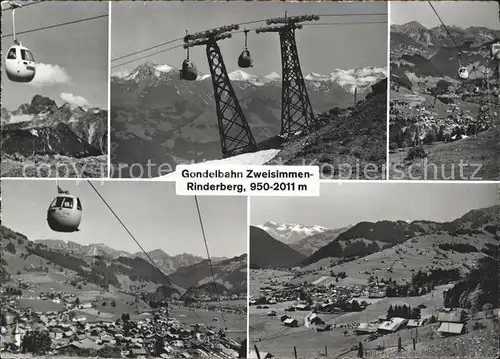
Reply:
x=121, y=269
x=280, y=83
x=444, y=99
x=379, y=270
x=55, y=82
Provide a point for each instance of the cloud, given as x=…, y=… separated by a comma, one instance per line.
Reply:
x=74, y=100
x=48, y=75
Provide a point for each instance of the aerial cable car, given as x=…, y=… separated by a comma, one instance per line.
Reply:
x=65, y=212
x=495, y=51
x=463, y=73
x=188, y=71
x=245, y=60
x=19, y=63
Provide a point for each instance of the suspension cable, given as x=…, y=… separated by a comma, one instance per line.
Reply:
x=57, y=25
x=235, y=32
x=209, y=260
x=128, y=231
x=442, y=23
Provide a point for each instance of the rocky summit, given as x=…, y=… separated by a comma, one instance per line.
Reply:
x=41, y=128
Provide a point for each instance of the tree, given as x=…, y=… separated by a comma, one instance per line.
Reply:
x=390, y=312
x=37, y=342
x=113, y=304
x=10, y=248
x=159, y=346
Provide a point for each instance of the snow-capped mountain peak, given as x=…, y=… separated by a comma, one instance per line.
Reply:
x=290, y=233
x=149, y=71
x=273, y=76
x=239, y=75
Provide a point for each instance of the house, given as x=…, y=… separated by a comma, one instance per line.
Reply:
x=414, y=323
x=365, y=328
x=292, y=323
x=284, y=317
x=449, y=328
x=391, y=326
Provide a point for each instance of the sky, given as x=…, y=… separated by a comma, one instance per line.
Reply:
x=455, y=13
x=322, y=49
x=340, y=205
x=72, y=60
x=154, y=214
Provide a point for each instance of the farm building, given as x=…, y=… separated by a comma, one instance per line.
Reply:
x=366, y=328
x=448, y=328
x=414, y=323
x=292, y=323
x=452, y=322
x=284, y=317
x=391, y=326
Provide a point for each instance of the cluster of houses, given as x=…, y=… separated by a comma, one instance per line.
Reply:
x=456, y=125
x=131, y=338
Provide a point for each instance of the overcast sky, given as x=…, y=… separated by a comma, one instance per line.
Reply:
x=456, y=13
x=322, y=49
x=72, y=60
x=343, y=204
x=155, y=215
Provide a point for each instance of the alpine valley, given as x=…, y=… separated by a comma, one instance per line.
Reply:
x=157, y=117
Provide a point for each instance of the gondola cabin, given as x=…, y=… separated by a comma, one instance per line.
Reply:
x=64, y=213
x=189, y=71
x=463, y=73
x=495, y=51
x=245, y=60
x=20, y=64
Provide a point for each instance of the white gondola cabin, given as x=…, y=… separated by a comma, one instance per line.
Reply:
x=65, y=213
x=20, y=64
x=463, y=73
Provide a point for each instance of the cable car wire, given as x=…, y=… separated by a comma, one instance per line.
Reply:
x=209, y=259
x=146, y=56
x=147, y=49
x=235, y=32
x=56, y=25
x=240, y=24
x=128, y=231
x=442, y=23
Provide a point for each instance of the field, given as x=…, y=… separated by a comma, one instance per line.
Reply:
x=270, y=335
x=236, y=324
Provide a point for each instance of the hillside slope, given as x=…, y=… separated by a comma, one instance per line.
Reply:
x=231, y=273
x=267, y=252
x=347, y=142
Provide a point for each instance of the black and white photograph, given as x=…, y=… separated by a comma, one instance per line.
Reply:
x=55, y=77
x=444, y=99
x=279, y=83
x=121, y=269
x=399, y=270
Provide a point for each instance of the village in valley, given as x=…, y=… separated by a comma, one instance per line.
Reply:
x=444, y=91
x=67, y=298
x=376, y=288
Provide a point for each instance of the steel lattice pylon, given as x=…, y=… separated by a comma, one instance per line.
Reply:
x=235, y=134
x=296, y=110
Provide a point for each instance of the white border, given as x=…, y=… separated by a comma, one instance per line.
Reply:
x=388, y=160
x=248, y=275
x=109, y=89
